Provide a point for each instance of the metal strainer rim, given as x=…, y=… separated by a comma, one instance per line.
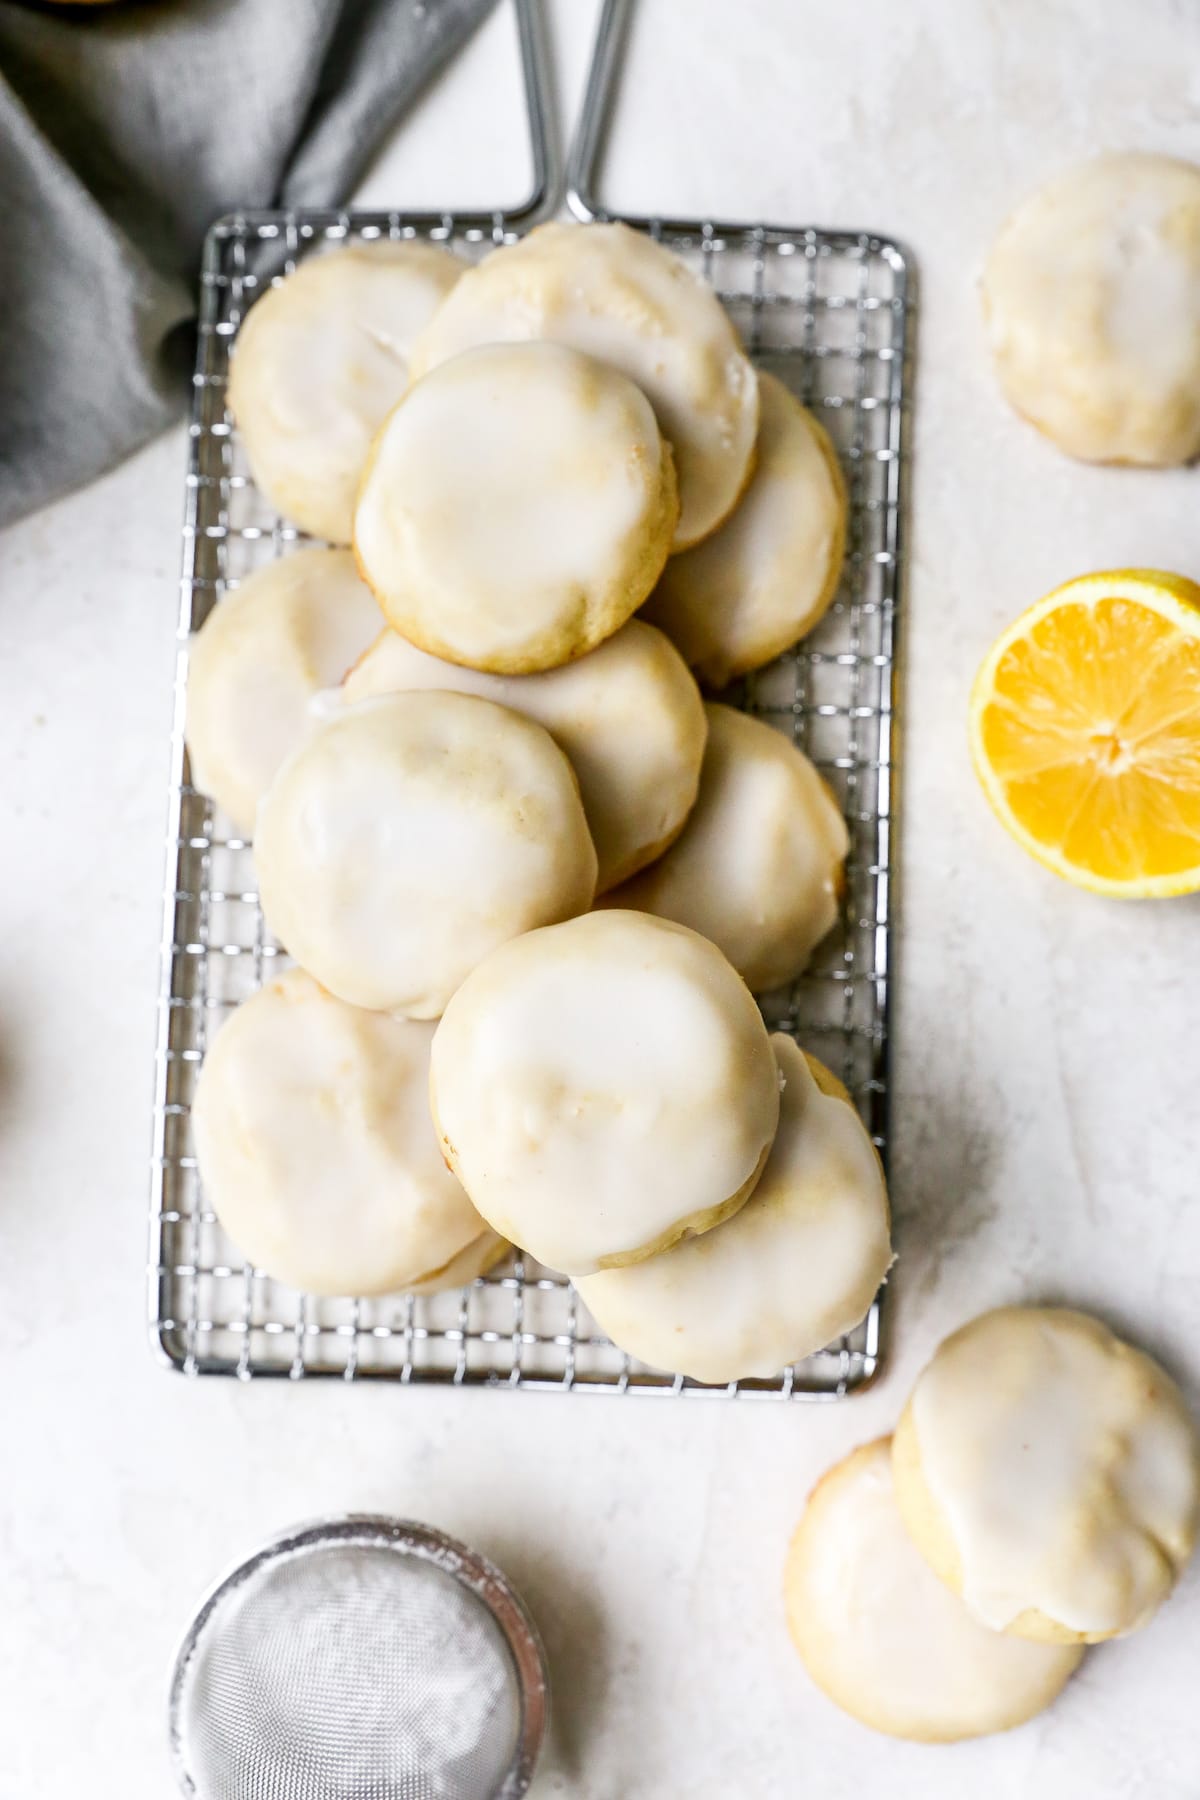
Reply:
x=403, y=1537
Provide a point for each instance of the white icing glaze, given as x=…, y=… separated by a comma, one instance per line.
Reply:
x=628, y=715
x=290, y=629
x=516, y=508
x=411, y=835
x=1092, y=298
x=884, y=1638
x=316, y=1149
x=600, y=1084
x=1064, y=1465
x=621, y=297
x=319, y=363
x=757, y=867
x=765, y=578
x=799, y=1264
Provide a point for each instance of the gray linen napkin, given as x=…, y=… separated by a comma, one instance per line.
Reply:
x=124, y=131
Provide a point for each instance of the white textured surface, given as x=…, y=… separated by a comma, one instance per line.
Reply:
x=1047, y=1134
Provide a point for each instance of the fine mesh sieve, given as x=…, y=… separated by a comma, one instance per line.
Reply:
x=359, y=1659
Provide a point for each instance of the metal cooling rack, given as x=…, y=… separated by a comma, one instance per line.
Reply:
x=830, y=313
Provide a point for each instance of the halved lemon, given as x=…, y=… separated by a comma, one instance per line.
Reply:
x=1085, y=730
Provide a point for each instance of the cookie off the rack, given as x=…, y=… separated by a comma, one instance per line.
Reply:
x=1050, y=1474
x=882, y=1637
x=1092, y=301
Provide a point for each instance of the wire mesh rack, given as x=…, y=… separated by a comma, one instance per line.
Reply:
x=829, y=313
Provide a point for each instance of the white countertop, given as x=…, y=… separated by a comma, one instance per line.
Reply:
x=1047, y=1136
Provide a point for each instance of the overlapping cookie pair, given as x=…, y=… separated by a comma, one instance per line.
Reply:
x=443, y=771
x=609, y=1095
x=1041, y=1493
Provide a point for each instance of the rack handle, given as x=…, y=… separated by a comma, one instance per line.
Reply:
x=535, y=74
x=591, y=133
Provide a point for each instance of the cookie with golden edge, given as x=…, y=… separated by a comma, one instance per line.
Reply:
x=482, y=1256
x=1050, y=1474
x=620, y=296
x=604, y=1088
x=411, y=835
x=1091, y=298
x=288, y=631
x=758, y=865
x=795, y=1267
x=316, y=1150
x=768, y=575
x=516, y=508
x=628, y=716
x=318, y=364
x=884, y=1639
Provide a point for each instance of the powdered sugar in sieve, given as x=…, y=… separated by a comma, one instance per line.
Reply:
x=361, y=1659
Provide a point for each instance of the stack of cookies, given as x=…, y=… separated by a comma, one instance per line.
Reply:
x=484, y=788
x=1041, y=1493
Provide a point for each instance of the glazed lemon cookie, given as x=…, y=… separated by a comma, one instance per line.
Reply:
x=319, y=363
x=884, y=1639
x=628, y=715
x=798, y=1264
x=411, y=835
x=758, y=866
x=1050, y=1474
x=315, y=1148
x=619, y=296
x=768, y=575
x=1092, y=303
x=604, y=1087
x=289, y=630
x=516, y=508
